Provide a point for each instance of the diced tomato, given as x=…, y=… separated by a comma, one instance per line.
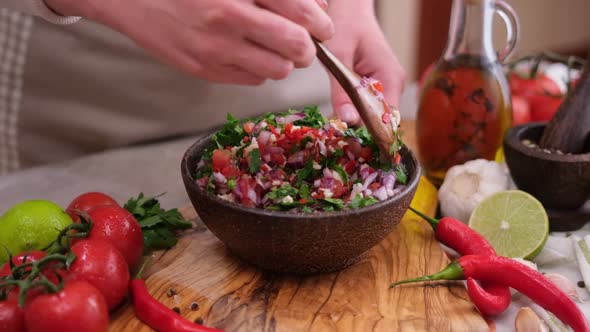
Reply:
x=350, y=166
x=231, y=172
x=366, y=153
x=378, y=86
x=278, y=158
x=273, y=130
x=246, y=139
x=249, y=127
x=374, y=186
x=288, y=127
x=303, y=201
x=339, y=189
x=398, y=158
x=317, y=195
x=220, y=159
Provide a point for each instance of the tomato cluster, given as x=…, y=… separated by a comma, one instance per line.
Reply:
x=534, y=99
x=77, y=295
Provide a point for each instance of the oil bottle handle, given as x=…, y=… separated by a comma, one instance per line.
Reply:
x=505, y=11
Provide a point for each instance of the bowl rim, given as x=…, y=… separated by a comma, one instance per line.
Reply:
x=187, y=173
x=513, y=140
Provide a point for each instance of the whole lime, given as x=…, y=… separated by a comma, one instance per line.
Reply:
x=30, y=225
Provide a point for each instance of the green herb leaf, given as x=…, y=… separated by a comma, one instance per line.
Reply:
x=305, y=172
x=152, y=218
x=306, y=209
x=230, y=135
x=255, y=161
x=158, y=238
x=338, y=153
x=359, y=202
x=282, y=192
x=343, y=175
x=313, y=118
x=304, y=191
x=401, y=174
x=335, y=203
x=231, y=184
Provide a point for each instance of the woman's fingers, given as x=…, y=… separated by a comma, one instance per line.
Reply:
x=278, y=35
x=254, y=59
x=306, y=13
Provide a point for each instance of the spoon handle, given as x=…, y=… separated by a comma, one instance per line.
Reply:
x=346, y=77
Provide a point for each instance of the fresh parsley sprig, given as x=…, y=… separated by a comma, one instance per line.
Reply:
x=157, y=224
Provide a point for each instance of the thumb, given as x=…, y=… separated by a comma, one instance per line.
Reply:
x=342, y=105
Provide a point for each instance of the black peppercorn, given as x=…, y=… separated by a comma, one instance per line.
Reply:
x=194, y=306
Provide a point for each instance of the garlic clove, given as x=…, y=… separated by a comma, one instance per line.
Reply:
x=565, y=284
x=527, y=321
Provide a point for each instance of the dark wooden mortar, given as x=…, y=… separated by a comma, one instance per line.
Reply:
x=297, y=243
x=561, y=182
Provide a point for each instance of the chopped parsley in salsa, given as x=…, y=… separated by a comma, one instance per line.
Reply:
x=298, y=161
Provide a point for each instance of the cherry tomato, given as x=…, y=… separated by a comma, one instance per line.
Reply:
x=117, y=226
x=11, y=316
x=541, y=84
x=102, y=265
x=31, y=256
x=87, y=201
x=543, y=107
x=79, y=306
x=521, y=112
x=220, y=159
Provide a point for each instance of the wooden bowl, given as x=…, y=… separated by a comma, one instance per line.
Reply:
x=560, y=182
x=297, y=243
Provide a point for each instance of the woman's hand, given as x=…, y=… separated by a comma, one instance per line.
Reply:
x=362, y=46
x=225, y=41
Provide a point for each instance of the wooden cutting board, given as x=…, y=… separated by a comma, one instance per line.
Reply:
x=235, y=296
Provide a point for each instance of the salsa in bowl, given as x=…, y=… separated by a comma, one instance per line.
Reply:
x=299, y=161
x=323, y=228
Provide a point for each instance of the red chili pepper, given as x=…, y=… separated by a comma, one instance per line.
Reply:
x=506, y=271
x=158, y=316
x=489, y=298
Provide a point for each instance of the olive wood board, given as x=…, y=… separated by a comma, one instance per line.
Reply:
x=234, y=296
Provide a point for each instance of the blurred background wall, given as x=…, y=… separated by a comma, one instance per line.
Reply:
x=417, y=29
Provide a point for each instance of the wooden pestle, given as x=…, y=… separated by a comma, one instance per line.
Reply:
x=569, y=130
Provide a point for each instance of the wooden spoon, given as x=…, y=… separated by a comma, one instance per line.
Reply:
x=569, y=129
x=370, y=107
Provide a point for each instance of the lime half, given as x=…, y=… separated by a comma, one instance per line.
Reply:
x=514, y=222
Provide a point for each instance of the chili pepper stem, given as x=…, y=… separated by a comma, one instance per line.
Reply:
x=452, y=272
x=433, y=222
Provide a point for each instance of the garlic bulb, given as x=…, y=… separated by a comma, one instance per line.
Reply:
x=466, y=185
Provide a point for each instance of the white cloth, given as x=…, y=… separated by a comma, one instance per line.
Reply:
x=38, y=8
